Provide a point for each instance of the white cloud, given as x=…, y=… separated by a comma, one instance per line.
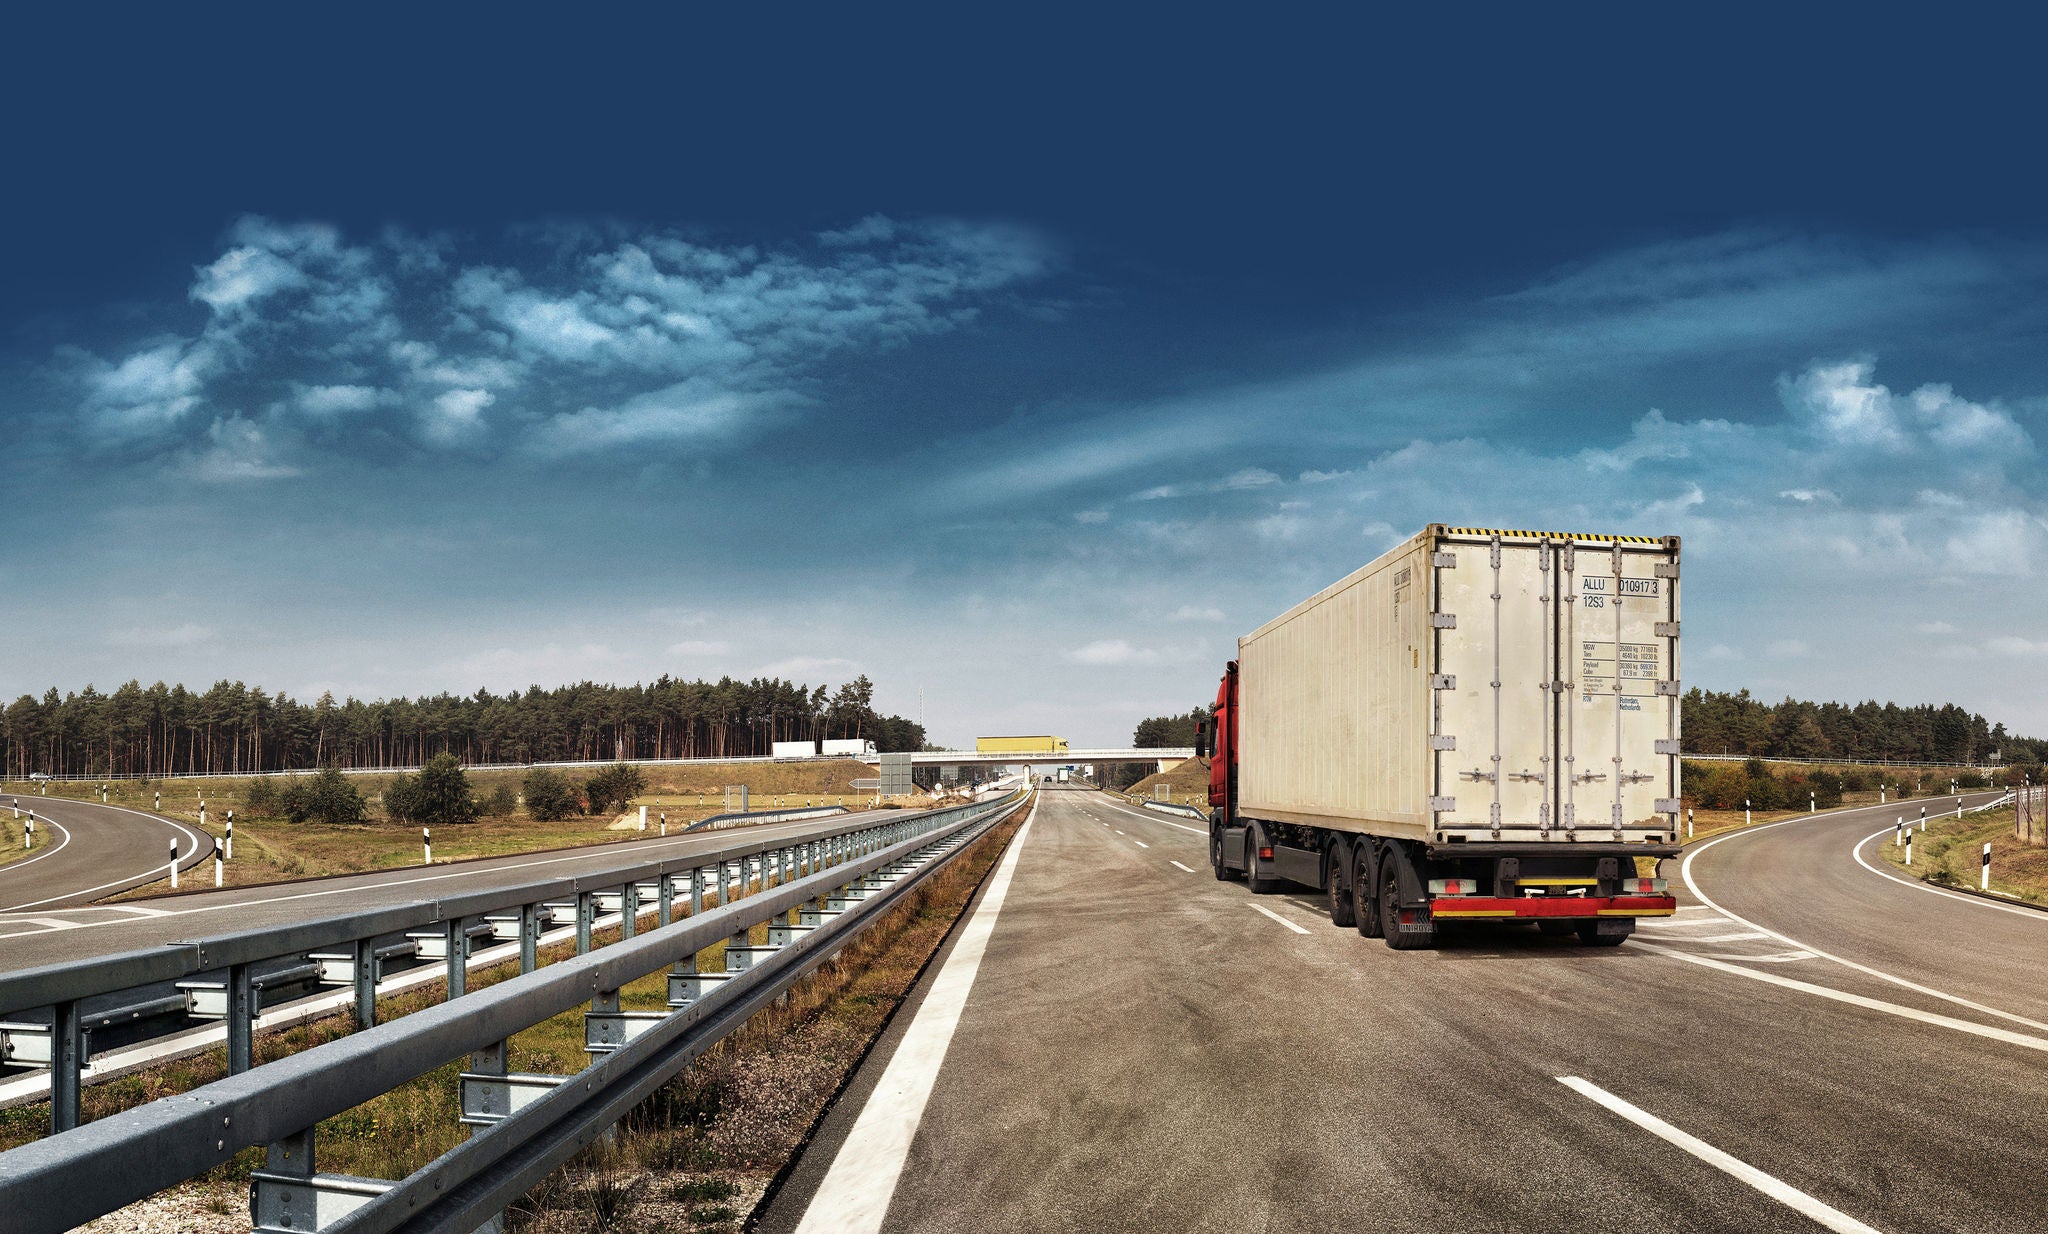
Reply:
x=1091, y=516
x=1720, y=652
x=1788, y=649
x=236, y=451
x=686, y=411
x=1934, y=627
x=1807, y=496
x=457, y=414
x=506, y=668
x=244, y=275
x=1159, y=493
x=811, y=669
x=1112, y=651
x=183, y=635
x=1250, y=477
x=339, y=400
x=1196, y=612
x=1321, y=477
x=2013, y=645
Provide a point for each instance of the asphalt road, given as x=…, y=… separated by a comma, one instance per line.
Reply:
x=1145, y=1048
x=87, y=851
x=52, y=933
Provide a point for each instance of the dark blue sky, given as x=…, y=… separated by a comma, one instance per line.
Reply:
x=1024, y=356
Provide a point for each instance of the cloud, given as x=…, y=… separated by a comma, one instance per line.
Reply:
x=2013, y=645
x=699, y=647
x=1112, y=651
x=1250, y=477
x=582, y=340
x=1091, y=516
x=237, y=450
x=1807, y=496
x=804, y=669
x=1934, y=627
x=1788, y=649
x=184, y=635
x=1196, y=612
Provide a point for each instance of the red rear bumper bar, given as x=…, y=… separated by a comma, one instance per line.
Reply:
x=1553, y=906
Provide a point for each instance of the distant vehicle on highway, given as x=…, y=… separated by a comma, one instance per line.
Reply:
x=38, y=777
x=855, y=748
x=793, y=749
x=1479, y=725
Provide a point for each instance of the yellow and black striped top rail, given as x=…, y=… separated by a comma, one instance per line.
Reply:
x=1553, y=535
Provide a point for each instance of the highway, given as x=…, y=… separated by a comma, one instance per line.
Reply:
x=50, y=934
x=87, y=851
x=1114, y=1039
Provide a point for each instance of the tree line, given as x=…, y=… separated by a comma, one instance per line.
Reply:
x=235, y=729
x=1717, y=723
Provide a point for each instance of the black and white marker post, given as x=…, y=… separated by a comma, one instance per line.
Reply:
x=28, y=838
x=1984, y=875
x=427, y=843
x=231, y=835
x=174, y=865
x=1923, y=818
x=216, y=862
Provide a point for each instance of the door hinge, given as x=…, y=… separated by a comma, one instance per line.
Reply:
x=1443, y=681
x=1443, y=741
x=1667, y=629
x=1668, y=687
x=1668, y=745
x=1669, y=805
x=1444, y=621
x=1443, y=805
x=1444, y=561
x=1666, y=569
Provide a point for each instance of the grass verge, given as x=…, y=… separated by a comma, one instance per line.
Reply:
x=699, y=1156
x=1950, y=853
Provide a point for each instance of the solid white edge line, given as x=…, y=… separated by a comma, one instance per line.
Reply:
x=1141, y=844
x=1786, y=1194
x=1260, y=908
x=1153, y=816
x=1685, y=873
x=1177, y=865
x=175, y=825
x=1857, y=853
x=1857, y=1000
x=854, y=1196
x=48, y=852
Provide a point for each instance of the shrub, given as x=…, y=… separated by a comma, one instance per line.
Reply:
x=501, y=801
x=325, y=798
x=614, y=788
x=550, y=796
x=265, y=799
x=439, y=793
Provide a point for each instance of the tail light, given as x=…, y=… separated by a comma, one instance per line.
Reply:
x=1265, y=854
x=1454, y=886
x=1643, y=886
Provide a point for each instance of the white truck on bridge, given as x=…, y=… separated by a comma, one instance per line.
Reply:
x=1480, y=724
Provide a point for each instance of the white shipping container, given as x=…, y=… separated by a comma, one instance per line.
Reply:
x=855, y=748
x=1473, y=684
x=794, y=749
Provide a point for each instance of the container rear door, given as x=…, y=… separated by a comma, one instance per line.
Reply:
x=1618, y=739
x=1496, y=645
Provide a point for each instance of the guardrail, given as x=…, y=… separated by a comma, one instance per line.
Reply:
x=78, y=995
x=523, y=1125
x=794, y=814
x=1168, y=807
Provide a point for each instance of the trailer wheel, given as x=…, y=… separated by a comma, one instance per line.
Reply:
x=1590, y=936
x=1343, y=910
x=1390, y=916
x=1364, y=908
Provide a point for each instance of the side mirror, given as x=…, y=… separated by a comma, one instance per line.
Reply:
x=1201, y=741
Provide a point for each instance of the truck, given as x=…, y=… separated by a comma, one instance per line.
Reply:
x=849, y=748
x=1479, y=725
x=793, y=749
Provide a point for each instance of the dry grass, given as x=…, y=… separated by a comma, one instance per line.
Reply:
x=1951, y=850
x=1187, y=784
x=699, y=1156
x=268, y=850
x=12, y=830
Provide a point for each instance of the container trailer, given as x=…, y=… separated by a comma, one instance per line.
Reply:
x=1479, y=725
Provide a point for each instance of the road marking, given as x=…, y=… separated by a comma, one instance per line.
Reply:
x=1260, y=908
x=1857, y=853
x=1685, y=872
x=855, y=1194
x=1857, y=1000
x=190, y=834
x=1153, y=817
x=46, y=853
x=1118, y=832
x=1781, y=957
x=1141, y=844
x=1687, y=924
x=1189, y=869
x=1739, y=936
x=1784, y=1193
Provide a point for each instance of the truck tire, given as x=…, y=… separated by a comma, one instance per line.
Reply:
x=1223, y=872
x=1590, y=936
x=1557, y=929
x=1365, y=907
x=1258, y=886
x=1337, y=867
x=1390, y=916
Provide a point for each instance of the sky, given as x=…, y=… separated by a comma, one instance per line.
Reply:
x=1020, y=359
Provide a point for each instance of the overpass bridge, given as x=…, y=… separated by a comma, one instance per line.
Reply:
x=1165, y=756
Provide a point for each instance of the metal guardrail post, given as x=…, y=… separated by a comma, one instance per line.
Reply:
x=529, y=937
x=364, y=971
x=629, y=909
x=66, y=1056
x=666, y=904
x=696, y=891
x=583, y=916
x=457, y=933
x=241, y=996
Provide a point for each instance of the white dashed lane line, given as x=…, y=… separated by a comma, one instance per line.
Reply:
x=1176, y=864
x=1260, y=908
